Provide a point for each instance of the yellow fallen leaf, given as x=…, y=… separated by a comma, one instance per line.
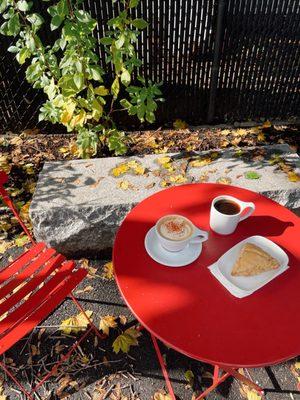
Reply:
x=224, y=180
x=4, y=163
x=123, y=319
x=124, y=185
x=225, y=132
x=107, y=322
x=76, y=323
x=21, y=240
x=125, y=340
x=261, y=137
x=108, y=271
x=24, y=212
x=178, y=179
x=162, y=396
x=16, y=141
x=163, y=160
x=297, y=365
x=251, y=395
x=179, y=124
x=293, y=176
x=224, y=143
x=5, y=245
x=200, y=162
x=120, y=170
x=240, y=132
x=267, y=124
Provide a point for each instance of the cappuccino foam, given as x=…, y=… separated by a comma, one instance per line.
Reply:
x=175, y=228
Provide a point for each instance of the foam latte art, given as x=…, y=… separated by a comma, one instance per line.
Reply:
x=175, y=228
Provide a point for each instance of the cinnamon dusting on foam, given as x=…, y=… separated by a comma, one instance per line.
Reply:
x=175, y=228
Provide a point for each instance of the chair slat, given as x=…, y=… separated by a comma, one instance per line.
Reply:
x=27, y=272
x=21, y=261
x=53, y=299
x=37, y=299
x=33, y=283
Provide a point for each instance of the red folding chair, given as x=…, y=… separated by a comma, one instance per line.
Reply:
x=31, y=287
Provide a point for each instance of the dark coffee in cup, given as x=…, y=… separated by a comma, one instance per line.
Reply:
x=227, y=207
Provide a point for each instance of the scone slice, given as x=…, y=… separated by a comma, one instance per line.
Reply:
x=253, y=261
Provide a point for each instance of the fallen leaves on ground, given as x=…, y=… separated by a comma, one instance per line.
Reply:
x=252, y=175
x=225, y=180
x=189, y=377
x=108, y=271
x=107, y=322
x=161, y=395
x=134, y=167
x=86, y=289
x=75, y=324
x=125, y=340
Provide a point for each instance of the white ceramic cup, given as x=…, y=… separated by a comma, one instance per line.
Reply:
x=225, y=224
x=197, y=236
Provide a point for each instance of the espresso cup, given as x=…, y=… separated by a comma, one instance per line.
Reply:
x=226, y=212
x=195, y=235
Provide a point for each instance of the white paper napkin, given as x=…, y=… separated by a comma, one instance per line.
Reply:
x=234, y=290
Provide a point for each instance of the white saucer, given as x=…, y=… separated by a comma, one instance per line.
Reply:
x=168, y=258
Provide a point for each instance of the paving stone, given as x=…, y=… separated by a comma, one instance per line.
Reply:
x=79, y=205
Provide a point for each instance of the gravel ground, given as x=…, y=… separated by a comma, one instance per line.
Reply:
x=137, y=374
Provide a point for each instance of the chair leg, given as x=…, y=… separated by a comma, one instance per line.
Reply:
x=163, y=367
x=13, y=378
x=79, y=306
x=63, y=358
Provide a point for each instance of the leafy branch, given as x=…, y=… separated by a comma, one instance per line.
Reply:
x=69, y=71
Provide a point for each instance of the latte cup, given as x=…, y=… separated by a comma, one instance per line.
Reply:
x=196, y=236
x=225, y=224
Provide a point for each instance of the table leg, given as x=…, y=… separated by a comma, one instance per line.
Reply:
x=243, y=379
x=163, y=367
x=217, y=379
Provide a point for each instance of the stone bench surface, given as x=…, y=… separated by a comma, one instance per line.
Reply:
x=78, y=205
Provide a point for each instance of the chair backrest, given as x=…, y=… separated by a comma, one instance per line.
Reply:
x=10, y=204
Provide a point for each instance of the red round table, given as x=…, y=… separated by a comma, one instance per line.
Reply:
x=187, y=308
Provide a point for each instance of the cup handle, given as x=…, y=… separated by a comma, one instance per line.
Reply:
x=251, y=207
x=199, y=236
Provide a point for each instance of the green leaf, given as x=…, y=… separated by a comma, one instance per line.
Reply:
x=23, y=5
x=116, y=143
x=96, y=73
x=139, y=23
x=36, y=20
x=23, y=55
x=34, y=72
x=78, y=80
x=252, y=175
x=83, y=16
x=62, y=8
x=115, y=87
x=119, y=43
x=125, y=103
x=3, y=5
x=14, y=25
x=133, y=3
x=125, y=77
x=56, y=21
x=13, y=49
x=106, y=41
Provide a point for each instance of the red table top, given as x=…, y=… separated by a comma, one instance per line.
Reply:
x=187, y=308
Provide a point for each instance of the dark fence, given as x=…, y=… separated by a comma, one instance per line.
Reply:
x=219, y=60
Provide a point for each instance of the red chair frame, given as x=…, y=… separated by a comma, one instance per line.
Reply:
x=31, y=287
